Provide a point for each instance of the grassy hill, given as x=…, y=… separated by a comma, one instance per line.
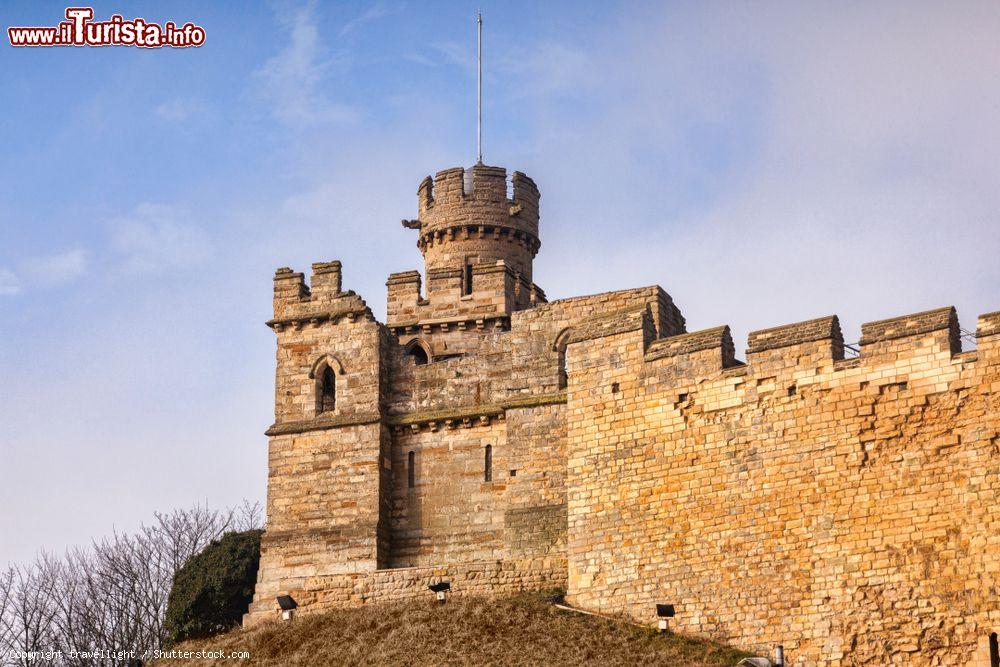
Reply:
x=524, y=630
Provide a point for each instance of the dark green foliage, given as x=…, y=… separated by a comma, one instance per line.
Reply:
x=212, y=591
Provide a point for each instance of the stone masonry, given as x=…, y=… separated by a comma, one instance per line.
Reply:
x=840, y=506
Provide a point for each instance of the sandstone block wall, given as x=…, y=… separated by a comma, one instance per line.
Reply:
x=343, y=504
x=535, y=471
x=509, y=577
x=450, y=514
x=505, y=395
x=327, y=503
x=841, y=507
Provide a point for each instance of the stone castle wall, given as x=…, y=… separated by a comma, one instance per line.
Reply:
x=844, y=508
x=839, y=506
x=342, y=501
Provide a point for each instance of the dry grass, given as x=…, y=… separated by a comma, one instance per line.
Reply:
x=523, y=630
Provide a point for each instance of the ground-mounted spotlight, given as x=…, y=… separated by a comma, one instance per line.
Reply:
x=755, y=661
x=441, y=590
x=759, y=661
x=288, y=606
x=665, y=612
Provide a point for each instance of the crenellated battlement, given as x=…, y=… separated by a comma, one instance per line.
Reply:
x=801, y=347
x=475, y=216
x=323, y=299
x=718, y=339
x=447, y=310
x=480, y=191
x=941, y=320
x=988, y=326
x=810, y=331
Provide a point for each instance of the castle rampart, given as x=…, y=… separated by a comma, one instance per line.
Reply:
x=833, y=499
x=841, y=508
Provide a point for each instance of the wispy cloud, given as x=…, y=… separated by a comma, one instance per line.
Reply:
x=454, y=53
x=420, y=59
x=290, y=83
x=56, y=269
x=373, y=13
x=9, y=284
x=157, y=237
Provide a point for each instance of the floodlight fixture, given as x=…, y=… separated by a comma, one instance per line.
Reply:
x=288, y=606
x=440, y=589
x=664, y=612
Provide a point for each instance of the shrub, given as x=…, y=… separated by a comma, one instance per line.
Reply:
x=213, y=589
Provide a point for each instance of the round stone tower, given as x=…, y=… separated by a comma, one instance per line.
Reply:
x=466, y=218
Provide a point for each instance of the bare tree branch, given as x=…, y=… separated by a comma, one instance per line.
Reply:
x=113, y=595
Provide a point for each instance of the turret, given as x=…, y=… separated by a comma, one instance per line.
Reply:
x=478, y=234
x=466, y=218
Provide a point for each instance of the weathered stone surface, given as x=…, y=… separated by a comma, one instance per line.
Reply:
x=840, y=507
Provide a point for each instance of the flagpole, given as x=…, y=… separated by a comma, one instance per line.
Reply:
x=479, y=90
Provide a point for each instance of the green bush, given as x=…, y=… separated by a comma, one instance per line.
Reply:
x=212, y=591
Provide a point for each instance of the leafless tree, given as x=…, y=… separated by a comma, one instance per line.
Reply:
x=247, y=516
x=6, y=607
x=113, y=595
x=32, y=609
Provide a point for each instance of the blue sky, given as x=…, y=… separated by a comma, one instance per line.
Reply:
x=764, y=162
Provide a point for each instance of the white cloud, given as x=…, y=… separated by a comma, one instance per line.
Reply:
x=57, y=269
x=156, y=237
x=9, y=284
x=290, y=82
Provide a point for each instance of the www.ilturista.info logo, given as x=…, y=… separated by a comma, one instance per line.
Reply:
x=80, y=30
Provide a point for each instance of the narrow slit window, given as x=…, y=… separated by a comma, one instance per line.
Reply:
x=327, y=398
x=488, y=464
x=467, y=279
x=994, y=651
x=411, y=473
x=563, y=376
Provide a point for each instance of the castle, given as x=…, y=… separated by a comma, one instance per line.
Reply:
x=839, y=504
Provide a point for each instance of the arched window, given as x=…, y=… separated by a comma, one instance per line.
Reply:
x=326, y=391
x=559, y=346
x=324, y=373
x=994, y=651
x=419, y=353
x=488, y=464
